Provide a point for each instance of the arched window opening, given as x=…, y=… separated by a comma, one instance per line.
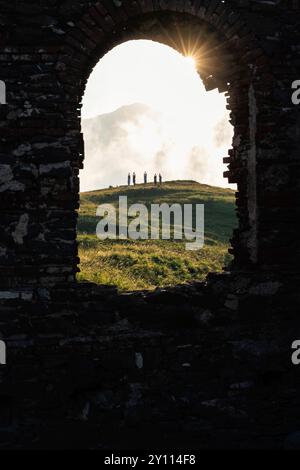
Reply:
x=153, y=134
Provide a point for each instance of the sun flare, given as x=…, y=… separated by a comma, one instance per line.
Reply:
x=146, y=108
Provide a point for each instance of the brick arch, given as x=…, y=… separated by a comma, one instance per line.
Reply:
x=72, y=343
x=237, y=67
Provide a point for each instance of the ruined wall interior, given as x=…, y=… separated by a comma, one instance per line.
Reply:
x=207, y=365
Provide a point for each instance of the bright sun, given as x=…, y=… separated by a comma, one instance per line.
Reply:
x=152, y=107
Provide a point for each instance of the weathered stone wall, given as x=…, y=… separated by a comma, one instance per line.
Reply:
x=87, y=367
x=47, y=53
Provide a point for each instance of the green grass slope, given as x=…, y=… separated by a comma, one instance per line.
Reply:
x=135, y=265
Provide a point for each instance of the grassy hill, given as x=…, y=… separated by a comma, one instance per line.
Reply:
x=135, y=265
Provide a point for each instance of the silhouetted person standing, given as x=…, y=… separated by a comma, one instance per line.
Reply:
x=160, y=179
x=155, y=179
x=134, y=179
x=129, y=179
x=145, y=177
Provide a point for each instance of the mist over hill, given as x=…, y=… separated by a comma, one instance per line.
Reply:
x=136, y=138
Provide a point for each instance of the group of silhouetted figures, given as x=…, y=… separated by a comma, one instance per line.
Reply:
x=157, y=179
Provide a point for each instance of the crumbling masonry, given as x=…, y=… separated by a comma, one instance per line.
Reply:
x=207, y=365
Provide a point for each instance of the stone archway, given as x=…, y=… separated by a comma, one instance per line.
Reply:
x=231, y=61
x=43, y=147
x=88, y=354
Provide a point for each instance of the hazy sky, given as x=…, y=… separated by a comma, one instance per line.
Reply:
x=183, y=131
